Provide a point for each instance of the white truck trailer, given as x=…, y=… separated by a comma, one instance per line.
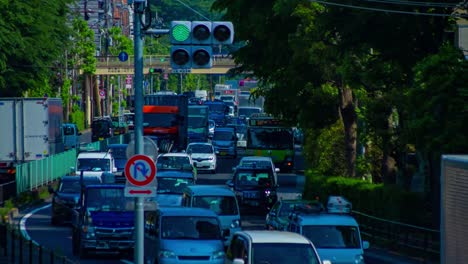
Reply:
x=31, y=130
x=454, y=209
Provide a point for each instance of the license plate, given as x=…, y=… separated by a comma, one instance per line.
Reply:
x=250, y=195
x=222, y=153
x=101, y=138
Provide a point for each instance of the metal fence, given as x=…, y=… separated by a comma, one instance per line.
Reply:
x=413, y=240
x=34, y=174
x=14, y=248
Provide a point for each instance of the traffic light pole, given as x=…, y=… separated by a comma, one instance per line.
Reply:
x=138, y=86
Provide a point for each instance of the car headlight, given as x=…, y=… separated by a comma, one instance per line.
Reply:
x=218, y=254
x=166, y=254
x=359, y=259
x=236, y=223
x=90, y=232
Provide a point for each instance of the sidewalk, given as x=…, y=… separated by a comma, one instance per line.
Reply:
x=383, y=256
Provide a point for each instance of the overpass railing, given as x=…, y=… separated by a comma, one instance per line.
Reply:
x=156, y=60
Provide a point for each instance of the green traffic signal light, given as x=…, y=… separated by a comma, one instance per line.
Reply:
x=180, y=32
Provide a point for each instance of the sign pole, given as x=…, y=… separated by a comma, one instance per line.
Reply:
x=138, y=86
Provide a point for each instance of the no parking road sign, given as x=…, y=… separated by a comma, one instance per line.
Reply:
x=140, y=172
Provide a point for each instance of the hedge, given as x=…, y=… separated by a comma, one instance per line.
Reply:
x=388, y=202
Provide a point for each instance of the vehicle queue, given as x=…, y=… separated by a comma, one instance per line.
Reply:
x=194, y=223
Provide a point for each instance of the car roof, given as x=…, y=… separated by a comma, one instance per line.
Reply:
x=221, y=190
x=272, y=236
x=94, y=155
x=327, y=219
x=256, y=158
x=200, y=143
x=74, y=178
x=174, y=155
x=174, y=173
x=186, y=211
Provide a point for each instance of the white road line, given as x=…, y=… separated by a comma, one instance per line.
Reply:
x=126, y=261
x=23, y=220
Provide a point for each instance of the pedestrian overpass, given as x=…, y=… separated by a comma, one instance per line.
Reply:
x=111, y=65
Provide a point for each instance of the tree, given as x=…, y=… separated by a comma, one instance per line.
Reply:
x=34, y=35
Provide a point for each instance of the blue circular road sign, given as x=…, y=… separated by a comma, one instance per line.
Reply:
x=123, y=56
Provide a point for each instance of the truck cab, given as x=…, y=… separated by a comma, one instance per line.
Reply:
x=334, y=232
x=71, y=136
x=103, y=221
x=95, y=163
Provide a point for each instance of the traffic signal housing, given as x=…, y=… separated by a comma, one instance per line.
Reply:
x=192, y=41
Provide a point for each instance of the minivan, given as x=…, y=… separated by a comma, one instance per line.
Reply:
x=225, y=141
x=219, y=199
x=183, y=235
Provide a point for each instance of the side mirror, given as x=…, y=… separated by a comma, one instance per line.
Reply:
x=50, y=189
x=277, y=170
x=238, y=261
x=365, y=244
x=230, y=183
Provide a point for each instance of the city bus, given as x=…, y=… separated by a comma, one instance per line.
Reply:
x=271, y=137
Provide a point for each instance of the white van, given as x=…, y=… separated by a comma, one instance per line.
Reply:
x=219, y=199
x=203, y=94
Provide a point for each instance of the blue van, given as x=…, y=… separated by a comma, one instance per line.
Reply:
x=71, y=136
x=219, y=199
x=225, y=141
x=183, y=235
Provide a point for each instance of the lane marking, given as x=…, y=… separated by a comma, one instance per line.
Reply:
x=126, y=261
x=23, y=230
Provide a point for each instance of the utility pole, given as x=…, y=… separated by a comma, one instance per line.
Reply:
x=139, y=7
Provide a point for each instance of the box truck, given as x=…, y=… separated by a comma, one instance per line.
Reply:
x=31, y=130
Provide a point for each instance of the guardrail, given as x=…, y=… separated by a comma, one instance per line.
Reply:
x=415, y=241
x=14, y=248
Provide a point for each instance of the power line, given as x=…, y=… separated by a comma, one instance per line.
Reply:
x=427, y=4
x=389, y=10
x=195, y=11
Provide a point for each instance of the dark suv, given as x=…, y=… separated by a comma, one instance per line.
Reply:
x=101, y=128
x=67, y=197
x=255, y=188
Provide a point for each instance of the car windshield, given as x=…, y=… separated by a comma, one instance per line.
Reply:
x=159, y=120
x=200, y=148
x=107, y=199
x=119, y=152
x=332, y=236
x=172, y=185
x=173, y=163
x=284, y=253
x=190, y=227
x=247, y=111
x=223, y=135
x=252, y=178
x=93, y=164
x=221, y=205
x=270, y=138
x=68, y=130
x=258, y=163
x=100, y=126
x=196, y=121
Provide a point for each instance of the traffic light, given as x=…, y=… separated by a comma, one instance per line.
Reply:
x=191, y=42
x=223, y=32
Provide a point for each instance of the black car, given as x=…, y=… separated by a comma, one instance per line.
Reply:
x=255, y=188
x=101, y=128
x=67, y=197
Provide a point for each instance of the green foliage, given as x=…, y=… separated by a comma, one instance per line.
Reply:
x=326, y=146
x=77, y=117
x=438, y=123
x=33, y=37
x=388, y=202
x=120, y=42
x=84, y=48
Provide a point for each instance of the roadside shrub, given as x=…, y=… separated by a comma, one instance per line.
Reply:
x=389, y=202
x=77, y=117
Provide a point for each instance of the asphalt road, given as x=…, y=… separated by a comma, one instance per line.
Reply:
x=40, y=230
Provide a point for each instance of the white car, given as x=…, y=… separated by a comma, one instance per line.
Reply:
x=203, y=155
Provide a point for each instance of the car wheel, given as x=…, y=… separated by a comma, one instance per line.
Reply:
x=74, y=243
x=83, y=253
x=213, y=171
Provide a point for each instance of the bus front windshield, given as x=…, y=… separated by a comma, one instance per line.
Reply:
x=332, y=236
x=270, y=138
